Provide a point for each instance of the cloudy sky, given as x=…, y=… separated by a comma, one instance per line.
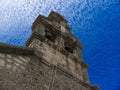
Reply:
x=96, y=23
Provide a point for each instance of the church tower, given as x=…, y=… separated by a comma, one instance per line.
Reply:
x=53, y=42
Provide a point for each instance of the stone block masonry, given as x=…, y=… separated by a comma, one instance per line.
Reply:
x=51, y=60
x=33, y=73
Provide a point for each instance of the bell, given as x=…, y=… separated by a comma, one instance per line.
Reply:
x=48, y=34
x=69, y=49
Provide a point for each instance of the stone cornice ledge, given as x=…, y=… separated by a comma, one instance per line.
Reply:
x=6, y=48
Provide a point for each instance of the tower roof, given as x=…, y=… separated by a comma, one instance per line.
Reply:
x=56, y=15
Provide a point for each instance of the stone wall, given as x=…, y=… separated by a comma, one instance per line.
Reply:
x=20, y=72
x=52, y=59
x=55, y=57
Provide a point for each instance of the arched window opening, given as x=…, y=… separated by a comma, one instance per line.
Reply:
x=50, y=35
x=68, y=47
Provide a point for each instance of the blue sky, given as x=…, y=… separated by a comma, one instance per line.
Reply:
x=95, y=22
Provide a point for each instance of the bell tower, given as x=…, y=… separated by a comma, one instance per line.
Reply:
x=52, y=41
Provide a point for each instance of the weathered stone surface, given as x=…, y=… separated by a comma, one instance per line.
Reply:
x=61, y=81
x=20, y=75
x=53, y=60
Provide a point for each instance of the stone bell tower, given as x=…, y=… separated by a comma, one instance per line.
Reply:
x=53, y=42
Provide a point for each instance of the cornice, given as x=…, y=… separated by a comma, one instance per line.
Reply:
x=6, y=48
